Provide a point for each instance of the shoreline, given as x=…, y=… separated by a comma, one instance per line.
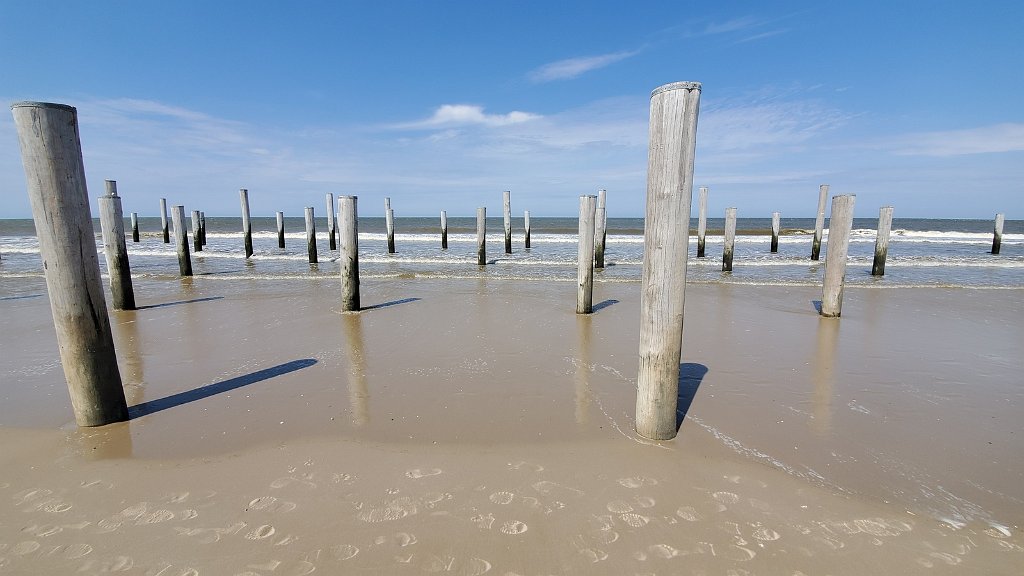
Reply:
x=815, y=442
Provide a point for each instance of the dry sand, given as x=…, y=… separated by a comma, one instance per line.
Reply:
x=481, y=427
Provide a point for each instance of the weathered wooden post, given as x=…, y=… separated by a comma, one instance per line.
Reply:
x=389, y=224
x=881, y=241
x=246, y=224
x=311, y=235
x=672, y=141
x=775, y=232
x=507, y=215
x=444, y=230
x=997, y=235
x=585, y=254
x=55, y=176
x=819, y=221
x=600, y=229
x=280, y=229
x=332, y=229
x=839, y=225
x=202, y=225
x=481, y=236
x=181, y=240
x=122, y=296
x=197, y=232
x=163, y=221
x=730, y=239
x=348, y=254
x=702, y=220
x=526, y=225
x=135, y=226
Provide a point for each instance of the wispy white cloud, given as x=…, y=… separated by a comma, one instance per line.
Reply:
x=1005, y=137
x=573, y=67
x=740, y=24
x=449, y=115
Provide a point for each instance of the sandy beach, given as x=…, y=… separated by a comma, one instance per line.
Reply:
x=482, y=427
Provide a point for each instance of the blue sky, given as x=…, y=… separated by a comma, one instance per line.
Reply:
x=442, y=105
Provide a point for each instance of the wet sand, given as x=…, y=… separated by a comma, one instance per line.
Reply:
x=473, y=427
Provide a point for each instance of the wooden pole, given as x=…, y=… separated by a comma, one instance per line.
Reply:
x=997, y=235
x=332, y=229
x=163, y=221
x=775, y=232
x=55, y=176
x=444, y=230
x=246, y=224
x=819, y=221
x=389, y=224
x=585, y=254
x=280, y=229
x=202, y=225
x=348, y=236
x=122, y=296
x=197, y=232
x=672, y=141
x=730, y=239
x=526, y=225
x=600, y=228
x=839, y=225
x=135, y=226
x=481, y=236
x=311, y=235
x=702, y=220
x=181, y=240
x=507, y=215
x=882, y=241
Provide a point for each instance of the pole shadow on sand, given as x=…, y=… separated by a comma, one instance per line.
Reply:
x=192, y=301
x=690, y=377
x=387, y=304
x=152, y=406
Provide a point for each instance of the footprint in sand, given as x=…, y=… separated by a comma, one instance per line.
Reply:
x=619, y=507
x=663, y=551
x=637, y=482
x=594, y=555
x=155, y=517
x=176, y=497
x=26, y=547
x=604, y=536
x=634, y=520
x=417, y=473
x=513, y=527
x=432, y=499
x=688, y=513
x=261, y=533
x=502, y=498
x=547, y=487
x=344, y=552
x=765, y=534
x=305, y=481
x=270, y=504
x=484, y=522
x=341, y=478
x=520, y=465
x=725, y=497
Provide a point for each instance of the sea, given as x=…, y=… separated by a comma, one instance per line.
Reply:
x=950, y=253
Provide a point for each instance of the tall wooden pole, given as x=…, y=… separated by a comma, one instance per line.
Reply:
x=280, y=229
x=672, y=141
x=332, y=229
x=389, y=225
x=702, y=220
x=135, y=226
x=311, y=235
x=507, y=215
x=181, y=240
x=202, y=225
x=839, y=225
x=730, y=239
x=775, y=232
x=997, y=235
x=122, y=296
x=819, y=221
x=163, y=221
x=481, y=236
x=243, y=194
x=444, y=230
x=348, y=253
x=585, y=253
x=55, y=176
x=197, y=232
x=882, y=241
x=600, y=228
x=526, y=226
